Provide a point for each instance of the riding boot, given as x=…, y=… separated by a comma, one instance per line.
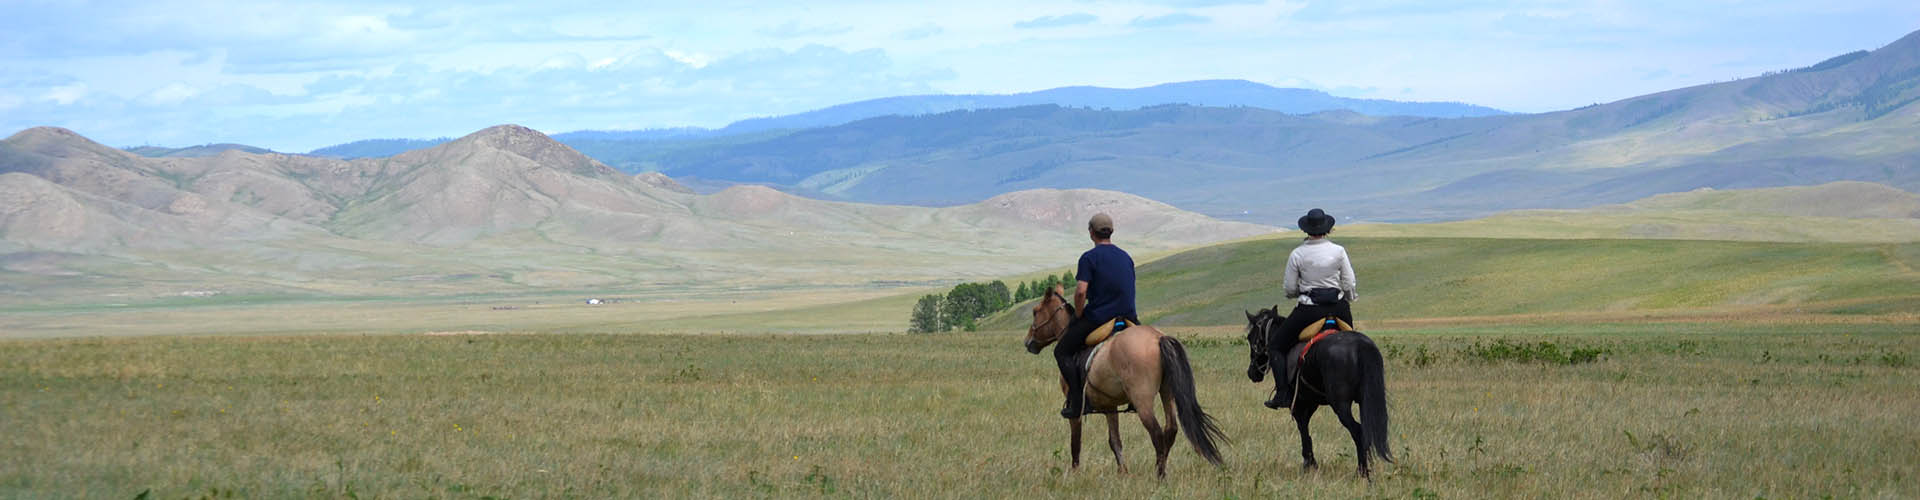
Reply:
x=1282, y=384
x=1076, y=391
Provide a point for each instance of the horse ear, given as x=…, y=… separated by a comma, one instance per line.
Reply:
x=1276, y=308
x=1249, y=316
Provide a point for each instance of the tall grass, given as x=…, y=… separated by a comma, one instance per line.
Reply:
x=1695, y=410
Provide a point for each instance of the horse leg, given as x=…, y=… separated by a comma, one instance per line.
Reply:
x=1113, y=440
x=1162, y=440
x=1074, y=443
x=1302, y=414
x=1173, y=420
x=1344, y=410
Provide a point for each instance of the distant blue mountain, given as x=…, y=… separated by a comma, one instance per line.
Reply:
x=1215, y=93
x=376, y=148
x=614, y=146
x=194, y=151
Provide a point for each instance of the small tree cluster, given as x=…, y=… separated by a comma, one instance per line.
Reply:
x=1035, y=289
x=926, y=315
x=960, y=308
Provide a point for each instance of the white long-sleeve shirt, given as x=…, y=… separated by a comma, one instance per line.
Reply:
x=1319, y=264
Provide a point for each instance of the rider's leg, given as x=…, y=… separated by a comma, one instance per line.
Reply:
x=1278, y=347
x=1071, y=343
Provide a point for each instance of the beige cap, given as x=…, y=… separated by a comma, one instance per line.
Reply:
x=1100, y=223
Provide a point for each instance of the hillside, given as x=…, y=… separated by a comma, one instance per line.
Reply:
x=1850, y=118
x=1839, y=212
x=1451, y=277
x=503, y=210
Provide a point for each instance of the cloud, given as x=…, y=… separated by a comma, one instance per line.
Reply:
x=920, y=32
x=1076, y=18
x=66, y=94
x=642, y=88
x=793, y=29
x=1174, y=19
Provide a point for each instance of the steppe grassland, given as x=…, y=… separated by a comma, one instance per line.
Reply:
x=799, y=309
x=1681, y=409
x=1417, y=278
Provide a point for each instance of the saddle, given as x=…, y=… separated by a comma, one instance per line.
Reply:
x=1330, y=323
x=1313, y=334
x=1106, y=330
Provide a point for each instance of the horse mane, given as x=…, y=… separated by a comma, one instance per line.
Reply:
x=1055, y=292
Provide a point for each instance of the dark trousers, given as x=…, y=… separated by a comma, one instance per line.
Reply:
x=1280, y=345
x=1071, y=343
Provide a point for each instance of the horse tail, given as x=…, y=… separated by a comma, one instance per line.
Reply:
x=1177, y=378
x=1373, y=400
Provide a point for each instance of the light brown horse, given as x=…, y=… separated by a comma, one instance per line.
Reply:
x=1131, y=368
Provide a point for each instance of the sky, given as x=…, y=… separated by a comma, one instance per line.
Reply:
x=294, y=76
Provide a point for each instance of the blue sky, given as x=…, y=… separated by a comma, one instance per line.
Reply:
x=295, y=76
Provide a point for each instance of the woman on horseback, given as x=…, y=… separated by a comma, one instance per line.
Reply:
x=1320, y=277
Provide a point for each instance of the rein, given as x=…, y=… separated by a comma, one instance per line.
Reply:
x=1051, y=317
x=1266, y=332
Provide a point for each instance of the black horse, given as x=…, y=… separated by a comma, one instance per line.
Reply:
x=1340, y=370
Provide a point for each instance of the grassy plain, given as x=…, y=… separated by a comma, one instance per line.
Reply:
x=767, y=309
x=1410, y=278
x=1728, y=369
x=1684, y=409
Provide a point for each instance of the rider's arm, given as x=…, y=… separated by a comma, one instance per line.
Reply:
x=1347, y=280
x=1291, y=283
x=1080, y=298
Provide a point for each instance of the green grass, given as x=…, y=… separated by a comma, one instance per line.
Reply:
x=1676, y=410
x=1677, y=224
x=1438, y=277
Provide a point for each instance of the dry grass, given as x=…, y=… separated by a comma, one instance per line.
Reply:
x=846, y=309
x=1678, y=409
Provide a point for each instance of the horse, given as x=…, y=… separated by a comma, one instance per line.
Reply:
x=1132, y=367
x=1340, y=369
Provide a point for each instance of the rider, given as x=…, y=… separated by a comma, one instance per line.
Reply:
x=1320, y=276
x=1104, y=292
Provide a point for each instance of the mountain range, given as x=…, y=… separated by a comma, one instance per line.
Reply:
x=506, y=209
x=627, y=149
x=1849, y=118
x=1243, y=151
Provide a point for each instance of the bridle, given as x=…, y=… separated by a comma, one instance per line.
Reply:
x=1051, y=317
x=1266, y=332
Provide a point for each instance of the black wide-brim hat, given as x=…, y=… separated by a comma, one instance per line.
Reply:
x=1316, y=222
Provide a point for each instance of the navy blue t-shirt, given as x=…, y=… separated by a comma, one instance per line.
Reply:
x=1108, y=271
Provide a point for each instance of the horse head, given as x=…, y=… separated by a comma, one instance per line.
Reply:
x=1259, y=327
x=1050, y=318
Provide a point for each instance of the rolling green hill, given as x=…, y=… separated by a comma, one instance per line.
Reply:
x=1450, y=277
x=1856, y=212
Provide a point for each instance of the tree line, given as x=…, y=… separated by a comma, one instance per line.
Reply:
x=964, y=305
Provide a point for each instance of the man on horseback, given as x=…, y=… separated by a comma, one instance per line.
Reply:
x=1103, y=293
x=1320, y=277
